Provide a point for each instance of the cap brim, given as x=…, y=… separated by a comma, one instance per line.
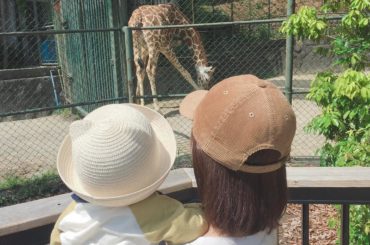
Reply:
x=166, y=157
x=191, y=102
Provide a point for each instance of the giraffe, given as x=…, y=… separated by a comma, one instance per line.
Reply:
x=149, y=44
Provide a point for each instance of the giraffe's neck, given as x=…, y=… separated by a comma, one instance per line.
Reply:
x=199, y=54
x=191, y=38
x=194, y=42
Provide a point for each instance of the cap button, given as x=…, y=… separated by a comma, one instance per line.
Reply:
x=261, y=85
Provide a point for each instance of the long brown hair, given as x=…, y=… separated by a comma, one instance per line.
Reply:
x=237, y=203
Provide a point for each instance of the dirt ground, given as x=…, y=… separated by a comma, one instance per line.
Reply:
x=30, y=146
x=323, y=222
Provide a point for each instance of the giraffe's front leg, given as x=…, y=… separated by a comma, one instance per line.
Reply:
x=171, y=56
x=151, y=71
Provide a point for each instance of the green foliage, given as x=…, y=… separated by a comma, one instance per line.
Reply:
x=351, y=44
x=344, y=97
x=304, y=24
x=344, y=100
x=360, y=228
x=16, y=190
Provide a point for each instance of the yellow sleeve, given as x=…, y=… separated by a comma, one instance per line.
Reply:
x=55, y=234
x=162, y=218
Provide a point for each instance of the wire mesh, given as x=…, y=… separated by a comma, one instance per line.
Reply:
x=26, y=51
x=231, y=50
x=307, y=62
x=91, y=67
x=48, y=71
x=210, y=11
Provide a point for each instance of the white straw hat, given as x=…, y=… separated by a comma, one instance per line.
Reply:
x=117, y=155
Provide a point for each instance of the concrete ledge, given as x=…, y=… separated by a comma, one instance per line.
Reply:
x=45, y=211
x=24, y=216
x=32, y=214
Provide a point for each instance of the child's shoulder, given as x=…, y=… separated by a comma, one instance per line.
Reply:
x=156, y=203
x=164, y=218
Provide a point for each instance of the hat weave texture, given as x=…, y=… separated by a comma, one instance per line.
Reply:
x=117, y=155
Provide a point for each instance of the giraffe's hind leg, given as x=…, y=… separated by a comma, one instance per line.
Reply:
x=151, y=71
x=140, y=64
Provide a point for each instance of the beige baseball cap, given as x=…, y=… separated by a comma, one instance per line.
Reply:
x=238, y=117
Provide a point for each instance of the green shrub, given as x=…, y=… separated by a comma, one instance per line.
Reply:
x=344, y=97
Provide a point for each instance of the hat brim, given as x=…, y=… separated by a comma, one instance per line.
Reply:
x=190, y=103
x=166, y=143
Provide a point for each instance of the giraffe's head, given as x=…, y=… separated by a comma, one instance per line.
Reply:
x=204, y=75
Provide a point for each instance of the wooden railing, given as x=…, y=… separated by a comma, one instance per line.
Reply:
x=33, y=221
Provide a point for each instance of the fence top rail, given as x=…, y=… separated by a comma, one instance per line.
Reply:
x=54, y=32
x=45, y=211
x=217, y=24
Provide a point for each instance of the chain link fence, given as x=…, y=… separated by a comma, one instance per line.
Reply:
x=42, y=93
x=26, y=51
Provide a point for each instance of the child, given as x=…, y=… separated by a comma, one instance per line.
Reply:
x=114, y=160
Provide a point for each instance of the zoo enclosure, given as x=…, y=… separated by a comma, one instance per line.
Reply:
x=92, y=70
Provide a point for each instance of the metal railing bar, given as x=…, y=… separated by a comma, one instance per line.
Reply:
x=61, y=106
x=80, y=111
x=329, y=195
x=129, y=62
x=323, y=201
x=345, y=224
x=219, y=24
x=305, y=224
x=26, y=33
x=289, y=50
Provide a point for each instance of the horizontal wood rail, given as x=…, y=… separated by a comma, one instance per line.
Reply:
x=307, y=185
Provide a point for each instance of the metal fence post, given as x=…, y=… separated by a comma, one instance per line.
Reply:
x=129, y=61
x=345, y=224
x=289, y=56
x=4, y=40
x=305, y=224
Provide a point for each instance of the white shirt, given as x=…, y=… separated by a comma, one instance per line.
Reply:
x=260, y=238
